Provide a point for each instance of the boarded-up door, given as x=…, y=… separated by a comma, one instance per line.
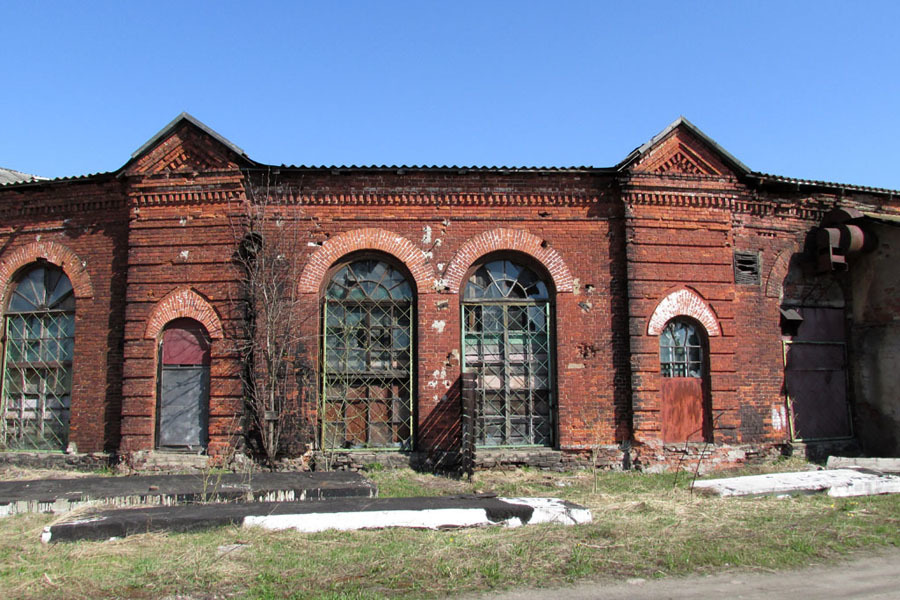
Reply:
x=816, y=376
x=184, y=386
x=682, y=409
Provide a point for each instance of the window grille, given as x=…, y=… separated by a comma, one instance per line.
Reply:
x=508, y=345
x=681, y=350
x=367, y=392
x=37, y=362
x=746, y=268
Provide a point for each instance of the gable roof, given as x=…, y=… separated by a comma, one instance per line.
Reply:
x=177, y=121
x=739, y=167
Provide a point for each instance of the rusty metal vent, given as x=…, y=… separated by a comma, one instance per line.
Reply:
x=746, y=268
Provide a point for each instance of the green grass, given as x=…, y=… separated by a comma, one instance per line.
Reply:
x=644, y=526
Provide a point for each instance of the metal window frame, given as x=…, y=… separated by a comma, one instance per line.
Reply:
x=547, y=306
x=406, y=378
x=703, y=346
x=42, y=369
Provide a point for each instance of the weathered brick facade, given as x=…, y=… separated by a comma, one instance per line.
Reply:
x=624, y=250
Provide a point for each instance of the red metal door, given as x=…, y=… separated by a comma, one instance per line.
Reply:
x=682, y=409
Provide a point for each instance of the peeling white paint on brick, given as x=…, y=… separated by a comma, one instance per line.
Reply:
x=779, y=418
x=439, y=326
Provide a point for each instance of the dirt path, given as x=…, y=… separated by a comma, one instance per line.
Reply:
x=873, y=577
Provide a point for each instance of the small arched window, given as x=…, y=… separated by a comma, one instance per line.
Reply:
x=508, y=344
x=681, y=349
x=40, y=343
x=367, y=389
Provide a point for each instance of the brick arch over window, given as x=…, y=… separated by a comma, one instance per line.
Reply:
x=183, y=303
x=366, y=239
x=57, y=254
x=683, y=302
x=777, y=273
x=508, y=239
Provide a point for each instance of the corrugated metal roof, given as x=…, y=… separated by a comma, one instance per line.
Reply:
x=769, y=178
x=11, y=177
x=457, y=168
x=8, y=176
x=44, y=180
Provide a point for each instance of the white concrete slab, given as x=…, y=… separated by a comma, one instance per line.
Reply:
x=546, y=510
x=834, y=482
x=884, y=465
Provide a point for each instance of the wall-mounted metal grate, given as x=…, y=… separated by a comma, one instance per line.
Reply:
x=746, y=268
x=37, y=362
x=367, y=392
x=508, y=346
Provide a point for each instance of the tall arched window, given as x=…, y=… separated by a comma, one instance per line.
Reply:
x=37, y=371
x=367, y=381
x=183, y=408
x=685, y=414
x=508, y=344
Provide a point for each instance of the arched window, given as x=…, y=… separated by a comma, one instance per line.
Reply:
x=183, y=408
x=508, y=344
x=681, y=349
x=685, y=411
x=37, y=373
x=367, y=383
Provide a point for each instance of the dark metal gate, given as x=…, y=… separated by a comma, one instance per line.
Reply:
x=815, y=376
x=184, y=386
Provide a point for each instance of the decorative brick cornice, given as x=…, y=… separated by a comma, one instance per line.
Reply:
x=517, y=240
x=366, y=239
x=55, y=253
x=181, y=303
x=439, y=199
x=683, y=302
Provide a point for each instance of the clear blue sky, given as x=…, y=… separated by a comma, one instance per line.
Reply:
x=803, y=89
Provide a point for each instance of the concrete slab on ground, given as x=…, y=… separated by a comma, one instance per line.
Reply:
x=834, y=482
x=340, y=513
x=882, y=465
x=61, y=495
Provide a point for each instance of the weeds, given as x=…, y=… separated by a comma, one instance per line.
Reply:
x=643, y=527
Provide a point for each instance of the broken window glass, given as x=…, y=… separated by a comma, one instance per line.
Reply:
x=367, y=395
x=40, y=341
x=508, y=345
x=681, y=349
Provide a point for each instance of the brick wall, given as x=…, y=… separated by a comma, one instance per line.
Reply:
x=80, y=226
x=156, y=242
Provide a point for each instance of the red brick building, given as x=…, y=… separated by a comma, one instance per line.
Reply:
x=674, y=304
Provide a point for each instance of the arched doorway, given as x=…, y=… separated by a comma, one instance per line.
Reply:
x=183, y=407
x=367, y=370
x=37, y=370
x=508, y=345
x=685, y=414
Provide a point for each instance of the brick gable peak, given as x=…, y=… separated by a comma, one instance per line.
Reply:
x=683, y=149
x=185, y=145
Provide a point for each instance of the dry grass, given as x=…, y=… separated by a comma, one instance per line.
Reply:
x=644, y=525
